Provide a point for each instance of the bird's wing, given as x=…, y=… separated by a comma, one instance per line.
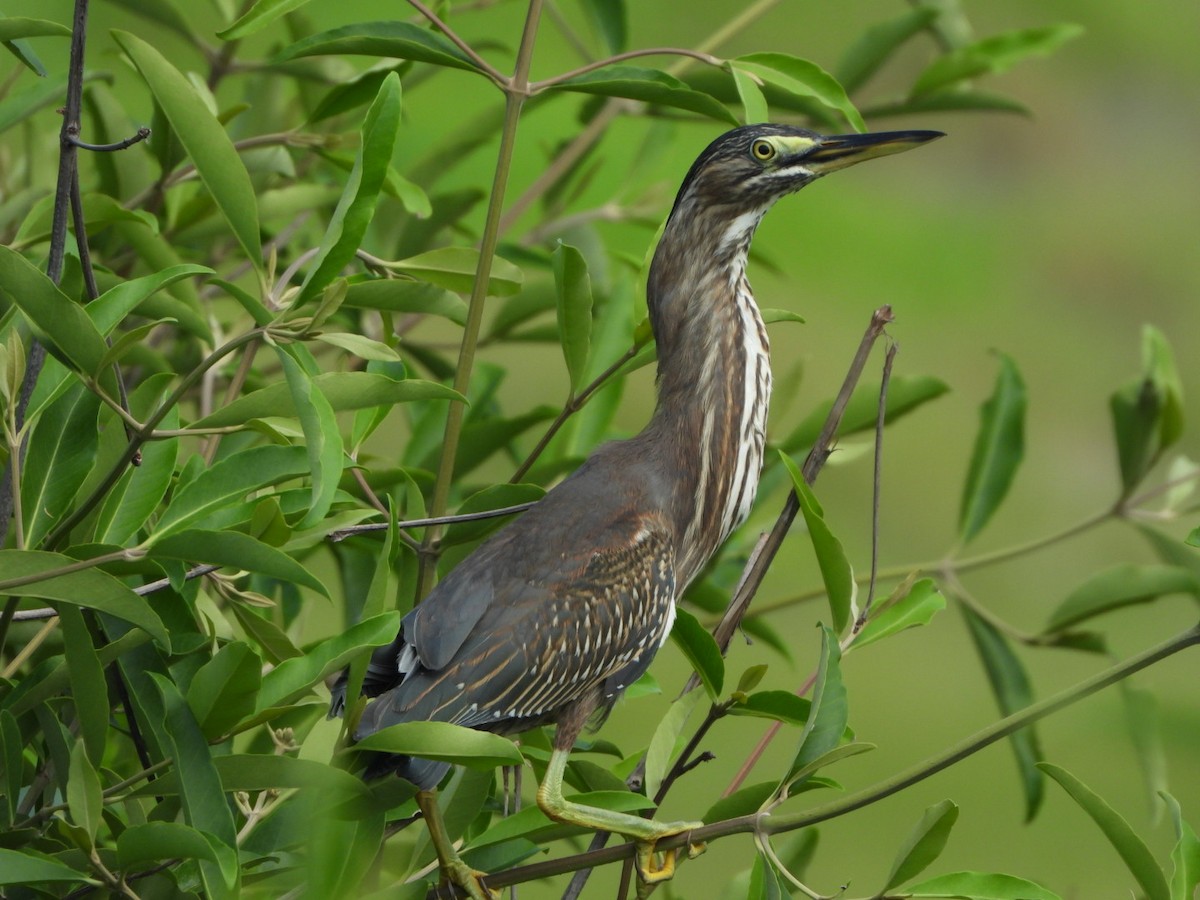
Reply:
x=437, y=627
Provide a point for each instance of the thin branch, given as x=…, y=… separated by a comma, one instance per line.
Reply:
x=877, y=482
x=458, y=42
x=142, y=134
x=350, y=530
x=707, y=58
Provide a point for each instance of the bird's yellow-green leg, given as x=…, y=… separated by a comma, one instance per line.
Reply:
x=453, y=868
x=645, y=832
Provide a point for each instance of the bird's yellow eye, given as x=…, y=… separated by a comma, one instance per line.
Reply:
x=763, y=150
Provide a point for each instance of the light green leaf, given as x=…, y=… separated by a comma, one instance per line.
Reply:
x=155, y=841
x=827, y=721
x=662, y=744
x=1120, y=586
x=1130, y=847
x=228, y=482
x=993, y=55
x=360, y=346
x=445, y=742
x=61, y=451
x=224, y=689
x=917, y=607
x=322, y=437
x=356, y=207
x=701, y=651
x=835, y=568
x=85, y=801
x=803, y=78
x=980, y=886
x=16, y=27
x=238, y=551
x=1145, y=733
x=647, y=85
x=876, y=44
x=754, y=104
x=999, y=447
x=1185, y=857
x=924, y=845
x=406, y=296
x=573, y=289
x=205, y=140
x=611, y=22
x=1011, y=688
x=261, y=14
x=89, y=588
x=397, y=40
x=454, y=268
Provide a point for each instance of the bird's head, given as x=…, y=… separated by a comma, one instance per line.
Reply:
x=751, y=167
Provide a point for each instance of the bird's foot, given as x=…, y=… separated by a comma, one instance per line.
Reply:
x=469, y=880
x=650, y=870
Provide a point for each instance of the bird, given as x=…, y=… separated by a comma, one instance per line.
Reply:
x=552, y=617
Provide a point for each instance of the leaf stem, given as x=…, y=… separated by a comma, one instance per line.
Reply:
x=458, y=42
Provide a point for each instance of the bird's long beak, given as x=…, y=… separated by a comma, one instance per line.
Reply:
x=842, y=150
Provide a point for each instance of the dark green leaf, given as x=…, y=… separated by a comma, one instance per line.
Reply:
x=223, y=690
x=993, y=55
x=741, y=803
x=154, y=841
x=445, y=742
x=803, y=78
x=1148, y=412
x=701, y=651
x=204, y=138
x=264, y=772
x=574, y=293
x=924, y=845
x=876, y=44
x=831, y=557
x=236, y=550
x=454, y=268
x=20, y=105
x=84, y=798
x=827, y=721
x=356, y=208
x=1120, y=586
x=980, y=886
x=89, y=588
x=647, y=85
x=1011, y=688
x=29, y=867
x=999, y=447
x=228, y=482
x=275, y=645
x=497, y=496
x=610, y=21
x=61, y=451
x=322, y=438
x=1130, y=847
x=782, y=706
x=397, y=40
x=917, y=607
x=89, y=687
x=261, y=14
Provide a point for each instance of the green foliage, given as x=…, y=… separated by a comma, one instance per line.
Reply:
x=287, y=293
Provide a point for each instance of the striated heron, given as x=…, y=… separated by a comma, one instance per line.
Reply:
x=552, y=617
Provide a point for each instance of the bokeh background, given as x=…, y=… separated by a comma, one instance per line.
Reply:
x=1053, y=238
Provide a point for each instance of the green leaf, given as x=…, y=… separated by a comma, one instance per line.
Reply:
x=18, y=107
x=396, y=40
x=15, y=27
x=999, y=447
x=918, y=607
x=399, y=295
x=574, y=293
x=803, y=78
x=1136, y=855
x=741, y=803
x=89, y=687
x=924, y=845
x=782, y=706
x=238, y=551
x=497, y=496
x=261, y=14
x=751, y=677
x=322, y=438
x=263, y=772
x=1148, y=412
x=27, y=867
x=61, y=451
x=662, y=743
x=445, y=742
x=1145, y=733
x=204, y=803
x=356, y=208
x=85, y=801
x=89, y=588
x=904, y=395
x=701, y=651
x=835, y=568
x=454, y=268
x=531, y=823
x=343, y=391
x=228, y=482
x=360, y=346
x=224, y=690
x=204, y=138
x=993, y=55
x=754, y=104
x=1185, y=857
x=827, y=721
x=58, y=321
x=609, y=18
x=1120, y=586
x=647, y=85
x=876, y=44
x=295, y=676
x=155, y=841
x=980, y=886
x=802, y=779
x=1011, y=688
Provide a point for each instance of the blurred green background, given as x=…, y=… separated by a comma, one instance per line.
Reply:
x=1053, y=238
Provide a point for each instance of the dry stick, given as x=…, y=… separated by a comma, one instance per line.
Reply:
x=768, y=823
x=764, y=552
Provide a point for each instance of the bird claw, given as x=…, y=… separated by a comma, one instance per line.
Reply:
x=469, y=880
x=650, y=871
